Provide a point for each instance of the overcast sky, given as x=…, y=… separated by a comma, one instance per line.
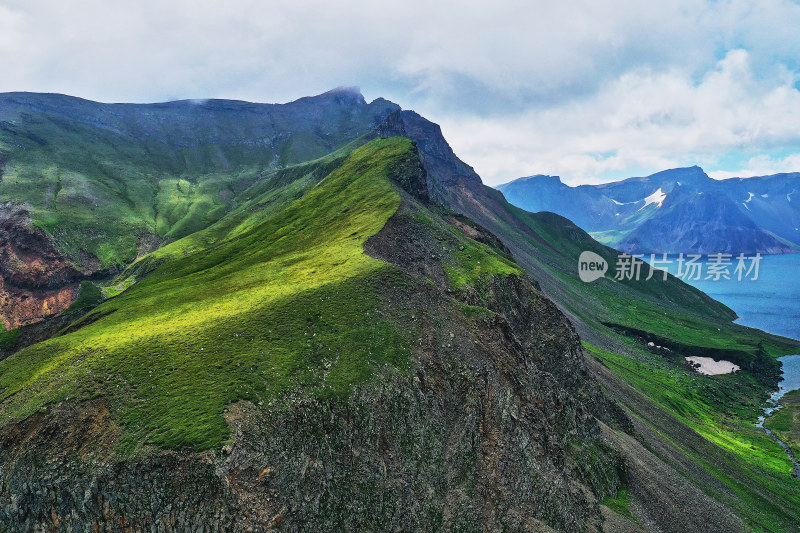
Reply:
x=588, y=90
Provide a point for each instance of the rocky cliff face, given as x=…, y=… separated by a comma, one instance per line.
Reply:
x=36, y=281
x=477, y=438
x=444, y=169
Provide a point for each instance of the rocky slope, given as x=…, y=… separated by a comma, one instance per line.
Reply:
x=680, y=419
x=679, y=210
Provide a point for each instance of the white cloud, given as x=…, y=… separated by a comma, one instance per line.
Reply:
x=761, y=165
x=11, y=29
x=579, y=87
x=644, y=119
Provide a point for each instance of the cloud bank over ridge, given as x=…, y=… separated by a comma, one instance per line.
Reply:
x=589, y=90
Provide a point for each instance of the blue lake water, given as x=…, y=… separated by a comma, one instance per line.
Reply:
x=791, y=375
x=771, y=302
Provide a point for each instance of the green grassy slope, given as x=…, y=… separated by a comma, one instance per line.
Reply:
x=99, y=177
x=256, y=204
x=288, y=303
x=709, y=423
x=704, y=407
x=278, y=296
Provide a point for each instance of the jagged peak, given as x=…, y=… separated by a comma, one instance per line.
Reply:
x=444, y=169
x=341, y=95
x=684, y=175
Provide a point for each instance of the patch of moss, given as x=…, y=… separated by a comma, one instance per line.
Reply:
x=8, y=338
x=620, y=504
x=473, y=261
x=476, y=312
x=89, y=295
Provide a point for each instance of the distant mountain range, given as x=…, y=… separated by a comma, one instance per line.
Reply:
x=674, y=211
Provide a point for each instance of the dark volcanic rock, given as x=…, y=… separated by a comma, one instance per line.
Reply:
x=443, y=167
x=36, y=281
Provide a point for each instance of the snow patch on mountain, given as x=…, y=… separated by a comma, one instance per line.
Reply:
x=655, y=198
x=623, y=203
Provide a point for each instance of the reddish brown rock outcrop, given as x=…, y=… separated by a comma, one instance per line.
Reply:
x=36, y=280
